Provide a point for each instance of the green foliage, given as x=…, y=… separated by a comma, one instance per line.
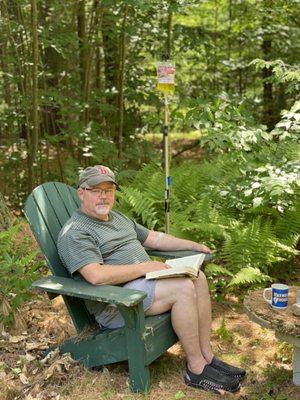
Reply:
x=282, y=73
x=289, y=126
x=81, y=84
x=249, y=276
x=228, y=126
x=179, y=395
x=244, y=203
x=18, y=268
x=214, y=269
x=251, y=245
x=223, y=334
x=243, y=200
x=140, y=205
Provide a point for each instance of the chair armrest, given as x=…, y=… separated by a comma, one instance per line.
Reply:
x=84, y=290
x=176, y=254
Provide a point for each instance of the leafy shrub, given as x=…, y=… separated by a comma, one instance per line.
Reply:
x=18, y=268
x=244, y=202
x=227, y=126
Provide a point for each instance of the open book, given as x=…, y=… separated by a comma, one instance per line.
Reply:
x=183, y=266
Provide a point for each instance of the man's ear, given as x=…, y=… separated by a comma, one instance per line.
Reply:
x=80, y=193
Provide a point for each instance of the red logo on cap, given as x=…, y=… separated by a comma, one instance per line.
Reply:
x=102, y=171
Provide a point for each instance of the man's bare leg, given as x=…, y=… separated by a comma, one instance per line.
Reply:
x=204, y=316
x=183, y=296
x=179, y=295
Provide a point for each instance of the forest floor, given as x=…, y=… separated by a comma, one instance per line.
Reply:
x=27, y=373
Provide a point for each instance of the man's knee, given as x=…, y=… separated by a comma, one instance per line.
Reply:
x=170, y=290
x=201, y=279
x=185, y=288
x=176, y=288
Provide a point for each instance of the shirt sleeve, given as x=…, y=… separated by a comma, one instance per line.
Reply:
x=77, y=249
x=141, y=231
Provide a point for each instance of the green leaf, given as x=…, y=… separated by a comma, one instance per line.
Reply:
x=179, y=395
x=249, y=275
x=217, y=269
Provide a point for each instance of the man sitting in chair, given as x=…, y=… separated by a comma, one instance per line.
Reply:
x=105, y=247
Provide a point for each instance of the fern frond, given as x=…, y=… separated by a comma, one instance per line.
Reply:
x=215, y=269
x=289, y=223
x=144, y=174
x=250, y=245
x=249, y=276
x=141, y=205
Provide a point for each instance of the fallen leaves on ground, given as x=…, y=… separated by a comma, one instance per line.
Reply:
x=26, y=368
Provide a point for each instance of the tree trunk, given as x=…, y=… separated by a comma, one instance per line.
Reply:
x=215, y=42
x=229, y=38
x=122, y=58
x=35, y=111
x=268, y=103
x=110, y=48
x=6, y=216
x=81, y=28
x=268, y=111
x=169, y=32
x=33, y=130
x=94, y=21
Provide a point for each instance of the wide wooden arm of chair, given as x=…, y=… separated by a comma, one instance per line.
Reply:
x=175, y=254
x=171, y=253
x=84, y=290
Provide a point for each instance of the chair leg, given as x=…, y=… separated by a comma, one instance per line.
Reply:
x=134, y=328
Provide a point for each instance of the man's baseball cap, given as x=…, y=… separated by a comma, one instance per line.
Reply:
x=92, y=176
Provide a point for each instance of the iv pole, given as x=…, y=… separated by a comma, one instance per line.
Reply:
x=166, y=164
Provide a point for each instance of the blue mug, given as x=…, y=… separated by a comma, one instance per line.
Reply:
x=279, y=296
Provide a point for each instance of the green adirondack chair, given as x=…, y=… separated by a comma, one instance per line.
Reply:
x=140, y=341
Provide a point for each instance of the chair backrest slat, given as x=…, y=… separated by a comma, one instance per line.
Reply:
x=53, y=207
x=68, y=196
x=47, y=209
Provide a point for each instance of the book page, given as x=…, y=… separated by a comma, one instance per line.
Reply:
x=183, y=266
x=190, y=261
x=166, y=273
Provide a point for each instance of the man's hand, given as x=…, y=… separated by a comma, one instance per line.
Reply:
x=154, y=266
x=202, y=248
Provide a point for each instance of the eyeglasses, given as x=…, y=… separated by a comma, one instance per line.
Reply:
x=97, y=192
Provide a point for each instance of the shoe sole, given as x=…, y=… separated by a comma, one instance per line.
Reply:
x=217, y=391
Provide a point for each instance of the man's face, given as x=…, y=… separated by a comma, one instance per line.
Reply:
x=98, y=200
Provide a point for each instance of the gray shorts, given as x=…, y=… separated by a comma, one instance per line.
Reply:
x=112, y=319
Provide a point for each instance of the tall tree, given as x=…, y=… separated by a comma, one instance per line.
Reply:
x=268, y=102
x=33, y=139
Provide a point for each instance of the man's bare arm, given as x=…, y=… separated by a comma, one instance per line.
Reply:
x=98, y=274
x=162, y=241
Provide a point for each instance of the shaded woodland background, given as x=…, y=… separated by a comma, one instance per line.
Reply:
x=78, y=87
x=77, y=79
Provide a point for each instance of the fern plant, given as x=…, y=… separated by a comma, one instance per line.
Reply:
x=243, y=202
x=250, y=243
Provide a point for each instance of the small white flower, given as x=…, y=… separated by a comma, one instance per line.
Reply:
x=257, y=201
x=223, y=193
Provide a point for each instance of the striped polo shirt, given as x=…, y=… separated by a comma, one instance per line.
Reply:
x=84, y=240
